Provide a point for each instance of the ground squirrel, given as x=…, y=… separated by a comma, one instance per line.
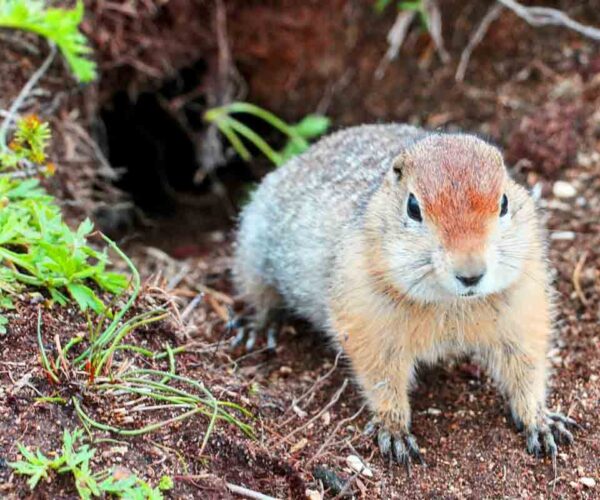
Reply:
x=407, y=246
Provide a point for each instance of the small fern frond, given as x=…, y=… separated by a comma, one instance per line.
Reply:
x=61, y=26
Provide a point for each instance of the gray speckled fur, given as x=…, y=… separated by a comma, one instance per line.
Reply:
x=288, y=233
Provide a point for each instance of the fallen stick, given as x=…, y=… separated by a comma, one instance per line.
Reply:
x=546, y=16
x=475, y=40
x=247, y=493
x=332, y=402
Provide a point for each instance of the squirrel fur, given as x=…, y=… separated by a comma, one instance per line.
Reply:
x=407, y=246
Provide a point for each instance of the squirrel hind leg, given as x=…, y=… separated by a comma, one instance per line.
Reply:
x=264, y=323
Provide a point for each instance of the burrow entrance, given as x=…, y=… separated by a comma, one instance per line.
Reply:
x=155, y=140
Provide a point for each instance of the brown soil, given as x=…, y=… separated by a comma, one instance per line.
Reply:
x=535, y=92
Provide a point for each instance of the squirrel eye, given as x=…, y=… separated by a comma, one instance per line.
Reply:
x=503, y=206
x=412, y=208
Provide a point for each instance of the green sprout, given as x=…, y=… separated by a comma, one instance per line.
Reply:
x=298, y=135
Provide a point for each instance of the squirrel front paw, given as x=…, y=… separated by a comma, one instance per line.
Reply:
x=400, y=446
x=247, y=334
x=551, y=430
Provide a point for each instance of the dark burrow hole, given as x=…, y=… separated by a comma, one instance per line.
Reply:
x=154, y=138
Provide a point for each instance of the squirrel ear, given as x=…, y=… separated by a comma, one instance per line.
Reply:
x=397, y=167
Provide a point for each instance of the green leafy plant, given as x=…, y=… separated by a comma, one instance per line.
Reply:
x=59, y=25
x=74, y=459
x=103, y=340
x=38, y=250
x=236, y=132
x=162, y=389
x=28, y=146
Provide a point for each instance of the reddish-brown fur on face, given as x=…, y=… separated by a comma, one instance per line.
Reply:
x=458, y=180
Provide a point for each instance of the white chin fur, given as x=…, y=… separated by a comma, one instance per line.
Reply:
x=441, y=286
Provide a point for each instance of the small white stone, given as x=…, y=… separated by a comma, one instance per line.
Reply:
x=357, y=465
x=299, y=411
x=562, y=189
x=434, y=411
x=588, y=482
x=562, y=236
x=313, y=495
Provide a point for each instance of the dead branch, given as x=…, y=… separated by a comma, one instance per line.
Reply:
x=395, y=38
x=546, y=16
x=576, y=278
x=296, y=401
x=327, y=442
x=319, y=381
x=247, y=493
x=332, y=402
x=434, y=17
x=106, y=169
x=492, y=14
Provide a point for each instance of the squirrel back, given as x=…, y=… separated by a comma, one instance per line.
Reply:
x=289, y=231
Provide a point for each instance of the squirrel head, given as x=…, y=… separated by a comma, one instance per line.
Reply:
x=462, y=227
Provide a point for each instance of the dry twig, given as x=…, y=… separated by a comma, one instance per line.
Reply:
x=247, y=493
x=395, y=38
x=319, y=381
x=434, y=25
x=546, y=16
x=333, y=401
x=475, y=39
x=576, y=278
x=327, y=442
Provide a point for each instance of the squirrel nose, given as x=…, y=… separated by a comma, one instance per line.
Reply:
x=469, y=281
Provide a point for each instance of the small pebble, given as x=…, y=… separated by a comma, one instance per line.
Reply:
x=562, y=189
x=326, y=417
x=588, y=482
x=299, y=411
x=434, y=411
x=120, y=473
x=562, y=236
x=313, y=495
x=299, y=445
x=357, y=465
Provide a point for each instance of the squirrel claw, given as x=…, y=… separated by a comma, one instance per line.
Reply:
x=248, y=337
x=559, y=417
x=401, y=447
x=547, y=446
x=543, y=439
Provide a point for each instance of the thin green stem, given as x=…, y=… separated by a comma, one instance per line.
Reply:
x=270, y=118
x=120, y=335
x=171, y=359
x=45, y=362
x=210, y=427
x=107, y=334
x=131, y=432
x=235, y=141
x=255, y=139
x=135, y=348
